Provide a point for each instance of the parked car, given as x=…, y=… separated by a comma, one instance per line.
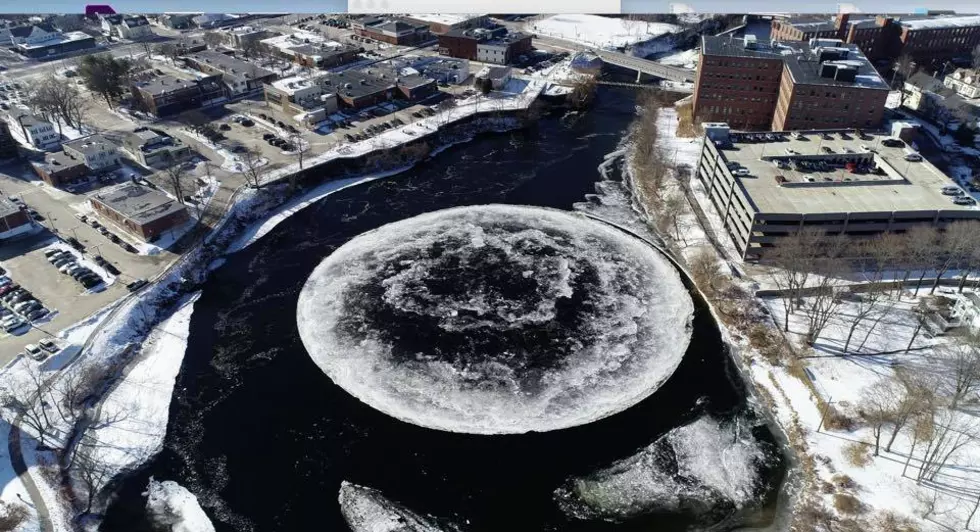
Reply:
x=136, y=285
x=247, y=123
x=224, y=127
x=37, y=314
x=12, y=326
x=964, y=200
x=48, y=345
x=73, y=242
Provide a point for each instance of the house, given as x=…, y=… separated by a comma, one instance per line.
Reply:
x=135, y=28
x=8, y=145
x=169, y=94
x=967, y=310
x=111, y=24
x=97, y=153
x=155, y=149
x=31, y=34
x=239, y=77
x=14, y=221
x=33, y=131
x=176, y=21
x=392, y=30
x=965, y=81
x=935, y=101
x=498, y=76
x=140, y=211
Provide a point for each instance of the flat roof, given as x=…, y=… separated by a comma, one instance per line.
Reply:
x=7, y=207
x=138, y=203
x=230, y=66
x=907, y=186
x=90, y=145
x=298, y=38
x=59, y=160
x=940, y=22
x=448, y=19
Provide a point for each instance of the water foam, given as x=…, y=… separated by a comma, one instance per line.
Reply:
x=496, y=319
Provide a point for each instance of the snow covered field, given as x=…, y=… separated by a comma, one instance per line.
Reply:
x=602, y=32
x=174, y=508
x=683, y=59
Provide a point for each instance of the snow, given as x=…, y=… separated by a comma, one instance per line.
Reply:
x=172, y=506
x=683, y=58
x=708, y=463
x=367, y=510
x=941, y=22
x=12, y=491
x=638, y=319
x=149, y=383
x=82, y=260
x=231, y=162
x=602, y=32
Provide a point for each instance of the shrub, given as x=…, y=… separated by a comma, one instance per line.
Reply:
x=837, y=420
x=827, y=488
x=844, y=482
x=857, y=454
x=847, y=504
x=892, y=522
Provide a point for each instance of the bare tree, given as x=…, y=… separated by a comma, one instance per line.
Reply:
x=951, y=433
x=904, y=66
x=301, y=146
x=58, y=100
x=956, y=242
x=960, y=363
x=921, y=314
x=921, y=244
x=668, y=214
x=92, y=475
x=916, y=396
x=169, y=50
x=74, y=389
x=251, y=49
x=27, y=398
x=867, y=302
x=175, y=175
x=704, y=269
x=583, y=93
x=877, y=407
x=213, y=39
x=821, y=303
x=252, y=167
x=12, y=515
x=795, y=259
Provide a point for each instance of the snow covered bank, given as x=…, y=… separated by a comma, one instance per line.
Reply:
x=708, y=466
x=601, y=32
x=175, y=509
x=367, y=510
x=142, y=396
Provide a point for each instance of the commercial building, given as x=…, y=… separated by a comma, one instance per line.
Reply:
x=60, y=169
x=33, y=131
x=965, y=81
x=924, y=37
x=311, y=49
x=154, y=148
x=505, y=49
x=841, y=182
x=169, y=94
x=141, y=211
x=446, y=71
x=363, y=88
x=498, y=76
x=307, y=100
x=463, y=43
x=399, y=31
x=444, y=22
x=97, y=153
x=13, y=220
x=242, y=37
x=239, y=77
x=757, y=85
x=42, y=40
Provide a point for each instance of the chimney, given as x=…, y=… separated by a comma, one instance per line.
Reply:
x=840, y=22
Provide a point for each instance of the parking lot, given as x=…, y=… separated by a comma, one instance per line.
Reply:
x=27, y=265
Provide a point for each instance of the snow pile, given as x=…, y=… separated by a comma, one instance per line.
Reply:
x=367, y=510
x=149, y=383
x=172, y=507
x=602, y=32
x=496, y=319
x=683, y=59
x=708, y=466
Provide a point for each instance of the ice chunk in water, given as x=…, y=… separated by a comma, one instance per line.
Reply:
x=367, y=510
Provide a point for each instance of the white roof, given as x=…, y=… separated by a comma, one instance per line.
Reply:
x=942, y=22
x=444, y=18
x=299, y=38
x=294, y=84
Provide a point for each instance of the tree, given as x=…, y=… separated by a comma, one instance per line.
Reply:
x=105, y=75
x=795, y=258
x=194, y=120
x=583, y=93
x=93, y=475
x=669, y=213
x=877, y=408
x=704, y=269
x=956, y=242
x=169, y=50
x=251, y=49
x=960, y=366
x=213, y=39
x=12, y=515
x=951, y=432
x=252, y=167
x=58, y=100
x=915, y=397
x=296, y=139
x=975, y=53
x=904, y=66
x=921, y=314
x=867, y=302
x=821, y=303
x=921, y=245
x=175, y=177
x=26, y=398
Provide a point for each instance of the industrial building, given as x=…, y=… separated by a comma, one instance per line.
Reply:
x=760, y=85
x=766, y=186
x=442, y=22
x=141, y=211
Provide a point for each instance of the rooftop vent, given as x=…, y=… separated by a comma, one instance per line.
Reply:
x=750, y=42
x=846, y=73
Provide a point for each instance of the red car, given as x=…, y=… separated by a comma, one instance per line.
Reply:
x=8, y=288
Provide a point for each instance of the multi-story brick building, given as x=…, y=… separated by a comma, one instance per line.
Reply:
x=392, y=30
x=169, y=94
x=443, y=22
x=757, y=85
x=139, y=210
x=882, y=37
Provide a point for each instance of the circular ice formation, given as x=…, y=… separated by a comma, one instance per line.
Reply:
x=496, y=319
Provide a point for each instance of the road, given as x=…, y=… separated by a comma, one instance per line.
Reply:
x=25, y=69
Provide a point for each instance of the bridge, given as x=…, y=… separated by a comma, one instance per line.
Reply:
x=644, y=66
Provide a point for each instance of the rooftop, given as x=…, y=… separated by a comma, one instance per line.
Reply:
x=297, y=38
x=397, y=26
x=477, y=33
x=928, y=83
x=447, y=19
x=25, y=118
x=166, y=83
x=940, y=22
x=59, y=160
x=59, y=39
x=135, y=21
x=90, y=145
x=138, y=203
x=294, y=84
x=7, y=207
x=902, y=185
x=229, y=65
x=806, y=61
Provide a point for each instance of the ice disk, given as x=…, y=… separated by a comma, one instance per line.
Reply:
x=367, y=510
x=496, y=319
x=174, y=508
x=706, y=467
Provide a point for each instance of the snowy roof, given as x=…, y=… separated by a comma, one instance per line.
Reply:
x=138, y=203
x=90, y=145
x=294, y=84
x=941, y=22
x=447, y=19
x=7, y=207
x=298, y=38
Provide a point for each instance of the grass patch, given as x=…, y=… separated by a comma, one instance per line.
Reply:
x=847, y=504
x=686, y=127
x=857, y=454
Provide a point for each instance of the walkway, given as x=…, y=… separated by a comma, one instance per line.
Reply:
x=20, y=467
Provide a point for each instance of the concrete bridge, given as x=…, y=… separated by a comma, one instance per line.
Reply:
x=644, y=66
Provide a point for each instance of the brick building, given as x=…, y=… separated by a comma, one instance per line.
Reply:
x=758, y=85
x=239, y=77
x=14, y=221
x=141, y=211
x=168, y=94
x=926, y=38
x=462, y=43
x=443, y=22
x=392, y=30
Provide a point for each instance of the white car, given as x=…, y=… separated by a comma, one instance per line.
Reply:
x=34, y=352
x=49, y=345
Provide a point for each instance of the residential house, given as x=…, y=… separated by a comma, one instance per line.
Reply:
x=239, y=77
x=153, y=148
x=140, y=211
x=135, y=28
x=32, y=130
x=965, y=81
x=966, y=309
x=936, y=101
x=176, y=21
x=43, y=40
x=95, y=151
x=111, y=24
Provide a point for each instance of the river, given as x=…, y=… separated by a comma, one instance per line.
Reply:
x=264, y=438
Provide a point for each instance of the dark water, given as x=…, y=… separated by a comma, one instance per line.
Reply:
x=264, y=438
